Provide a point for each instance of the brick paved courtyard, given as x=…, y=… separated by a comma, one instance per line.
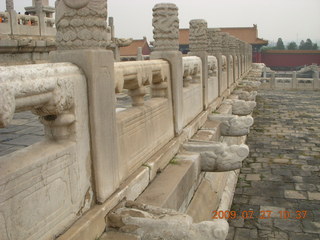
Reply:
x=281, y=175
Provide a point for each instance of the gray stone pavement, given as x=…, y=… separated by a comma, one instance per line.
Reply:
x=24, y=130
x=281, y=176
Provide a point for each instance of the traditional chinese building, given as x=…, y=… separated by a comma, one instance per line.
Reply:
x=131, y=52
x=246, y=34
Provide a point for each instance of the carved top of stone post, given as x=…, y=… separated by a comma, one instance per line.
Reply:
x=81, y=24
x=9, y=5
x=232, y=45
x=198, y=37
x=166, y=27
x=224, y=42
x=214, y=41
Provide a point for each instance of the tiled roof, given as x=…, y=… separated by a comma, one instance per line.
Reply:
x=246, y=34
x=132, y=49
x=184, y=36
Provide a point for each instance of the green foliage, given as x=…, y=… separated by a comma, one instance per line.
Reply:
x=301, y=46
x=315, y=46
x=280, y=45
x=292, y=46
x=308, y=45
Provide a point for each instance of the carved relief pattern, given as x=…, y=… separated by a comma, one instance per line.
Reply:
x=198, y=38
x=9, y=5
x=42, y=90
x=81, y=24
x=214, y=41
x=166, y=27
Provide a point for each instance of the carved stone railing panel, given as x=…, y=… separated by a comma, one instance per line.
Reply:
x=191, y=70
x=45, y=89
x=212, y=66
x=45, y=187
x=134, y=76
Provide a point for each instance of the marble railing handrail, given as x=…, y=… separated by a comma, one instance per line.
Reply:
x=134, y=75
x=28, y=18
x=5, y=16
x=192, y=68
x=212, y=66
x=46, y=89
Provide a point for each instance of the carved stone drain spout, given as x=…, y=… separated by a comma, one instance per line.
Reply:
x=233, y=125
x=219, y=157
x=149, y=222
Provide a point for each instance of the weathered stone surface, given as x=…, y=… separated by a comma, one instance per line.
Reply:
x=81, y=24
x=150, y=222
x=247, y=96
x=31, y=178
x=166, y=27
x=198, y=35
x=218, y=157
x=241, y=107
x=233, y=125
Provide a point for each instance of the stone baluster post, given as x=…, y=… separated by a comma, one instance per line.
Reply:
x=9, y=5
x=243, y=67
x=39, y=4
x=294, y=80
x=166, y=46
x=237, y=50
x=198, y=44
x=273, y=80
x=215, y=50
x=232, y=47
x=225, y=65
x=139, y=54
x=316, y=79
x=82, y=39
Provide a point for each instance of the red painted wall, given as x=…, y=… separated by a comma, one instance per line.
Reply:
x=290, y=58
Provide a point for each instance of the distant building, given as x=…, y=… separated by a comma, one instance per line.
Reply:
x=131, y=53
x=246, y=34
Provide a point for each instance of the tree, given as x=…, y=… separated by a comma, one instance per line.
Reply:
x=315, y=46
x=308, y=44
x=292, y=46
x=280, y=44
x=301, y=46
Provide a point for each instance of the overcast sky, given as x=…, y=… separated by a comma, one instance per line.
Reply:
x=291, y=20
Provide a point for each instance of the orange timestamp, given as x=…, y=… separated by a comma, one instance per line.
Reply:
x=261, y=214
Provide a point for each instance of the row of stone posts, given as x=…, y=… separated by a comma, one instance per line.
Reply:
x=39, y=8
x=85, y=46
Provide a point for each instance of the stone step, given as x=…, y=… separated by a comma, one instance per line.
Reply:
x=174, y=187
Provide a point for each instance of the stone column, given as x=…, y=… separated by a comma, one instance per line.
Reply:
x=82, y=38
x=294, y=80
x=9, y=5
x=139, y=54
x=232, y=51
x=166, y=46
x=226, y=42
x=198, y=45
x=225, y=66
x=215, y=50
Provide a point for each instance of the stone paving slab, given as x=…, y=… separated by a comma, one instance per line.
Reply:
x=281, y=176
x=24, y=130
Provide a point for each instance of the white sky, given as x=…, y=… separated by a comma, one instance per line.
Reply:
x=292, y=20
